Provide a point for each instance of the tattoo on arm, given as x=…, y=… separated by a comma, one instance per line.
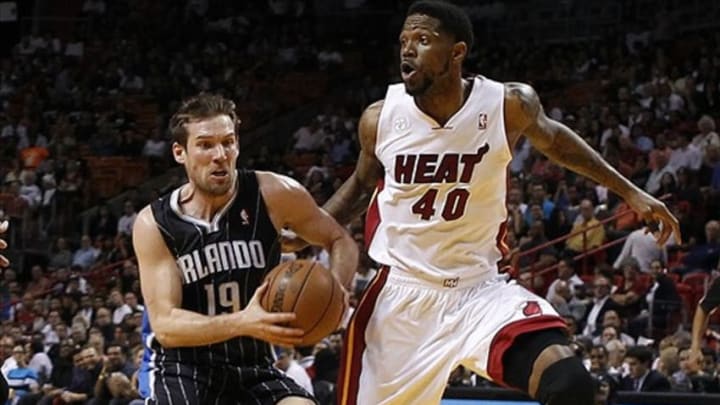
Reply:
x=563, y=146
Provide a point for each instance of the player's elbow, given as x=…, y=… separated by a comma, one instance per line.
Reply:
x=163, y=332
x=166, y=339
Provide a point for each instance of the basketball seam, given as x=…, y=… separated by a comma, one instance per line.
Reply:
x=327, y=306
x=302, y=287
x=265, y=299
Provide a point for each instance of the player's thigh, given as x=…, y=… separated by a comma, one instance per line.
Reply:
x=497, y=315
x=398, y=352
x=181, y=384
x=269, y=386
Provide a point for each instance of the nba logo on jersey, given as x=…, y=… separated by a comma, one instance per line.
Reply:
x=244, y=217
x=482, y=121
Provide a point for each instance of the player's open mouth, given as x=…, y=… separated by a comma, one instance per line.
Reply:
x=407, y=70
x=219, y=174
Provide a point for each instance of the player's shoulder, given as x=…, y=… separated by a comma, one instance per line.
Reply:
x=519, y=92
x=271, y=183
x=372, y=112
x=145, y=219
x=521, y=101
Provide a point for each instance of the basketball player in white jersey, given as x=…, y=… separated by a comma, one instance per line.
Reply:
x=435, y=152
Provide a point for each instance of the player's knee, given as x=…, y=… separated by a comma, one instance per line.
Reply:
x=566, y=382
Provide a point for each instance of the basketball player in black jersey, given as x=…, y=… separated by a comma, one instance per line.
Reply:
x=709, y=303
x=4, y=262
x=203, y=251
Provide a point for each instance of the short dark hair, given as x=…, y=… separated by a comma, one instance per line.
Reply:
x=204, y=105
x=641, y=353
x=453, y=19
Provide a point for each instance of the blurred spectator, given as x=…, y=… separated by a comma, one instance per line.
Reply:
x=21, y=379
x=642, y=378
x=594, y=234
x=600, y=304
x=641, y=245
x=86, y=255
x=287, y=363
x=125, y=223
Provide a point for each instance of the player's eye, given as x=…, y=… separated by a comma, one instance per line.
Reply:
x=228, y=142
x=424, y=39
x=204, y=145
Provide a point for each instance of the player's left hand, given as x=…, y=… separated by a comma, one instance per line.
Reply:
x=654, y=211
x=4, y=262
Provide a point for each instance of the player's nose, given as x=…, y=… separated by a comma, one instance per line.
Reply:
x=408, y=50
x=219, y=153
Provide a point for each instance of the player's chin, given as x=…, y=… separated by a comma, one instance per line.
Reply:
x=414, y=88
x=218, y=188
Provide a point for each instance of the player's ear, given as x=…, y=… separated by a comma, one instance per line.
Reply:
x=178, y=152
x=459, y=51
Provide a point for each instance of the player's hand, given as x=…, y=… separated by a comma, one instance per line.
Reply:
x=268, y=326
x=653, y=212
x=4, y=262
x=695, y=362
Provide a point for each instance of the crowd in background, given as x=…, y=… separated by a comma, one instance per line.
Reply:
x=649, y=102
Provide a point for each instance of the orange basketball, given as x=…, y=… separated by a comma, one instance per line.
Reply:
x=310, y=291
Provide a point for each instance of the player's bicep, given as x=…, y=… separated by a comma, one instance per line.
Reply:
x=159, y=276
x=525, y=116
x=291, y=206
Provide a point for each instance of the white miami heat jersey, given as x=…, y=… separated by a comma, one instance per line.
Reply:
x=440, y=212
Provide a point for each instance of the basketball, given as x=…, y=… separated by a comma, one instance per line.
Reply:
x=310, y=291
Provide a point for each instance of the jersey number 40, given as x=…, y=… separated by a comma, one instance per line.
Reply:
x=453, y=208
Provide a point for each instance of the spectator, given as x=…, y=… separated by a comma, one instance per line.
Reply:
x=22, y=380
x=126, y=221
x=703, y=257
x=287, y=363
x=61, y=256
x=600, y=304
x=129, y=306
x=566, y=272
x=642, y=378
x=594, y=234
x=662, y=167
x=104, y=223
x=86, y=255
x=611, y=319
x=641, y=245
x=707, y=136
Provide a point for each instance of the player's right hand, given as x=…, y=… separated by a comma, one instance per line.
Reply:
x=268, y=326
x=4, y=262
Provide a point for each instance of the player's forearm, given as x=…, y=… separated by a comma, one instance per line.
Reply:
x=183, y=328
x=349, y=201
x=699, y=326
x=572, y=152
x=344, y=260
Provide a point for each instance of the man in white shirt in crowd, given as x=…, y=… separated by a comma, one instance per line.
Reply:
x=642, y=245
x=125, y=223
x=287, y=363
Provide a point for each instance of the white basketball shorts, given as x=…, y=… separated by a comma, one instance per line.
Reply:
x=408, y=334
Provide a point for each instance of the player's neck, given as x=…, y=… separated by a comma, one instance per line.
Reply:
x=202, y=205
x=444, y=100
